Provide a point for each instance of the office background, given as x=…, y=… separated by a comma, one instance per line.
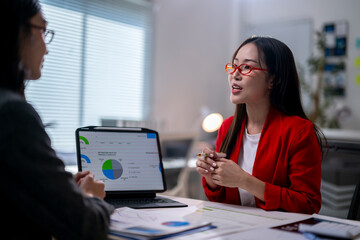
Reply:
x=160, y=64
x=195, y=38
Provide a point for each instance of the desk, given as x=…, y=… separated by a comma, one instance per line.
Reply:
x=237, y=222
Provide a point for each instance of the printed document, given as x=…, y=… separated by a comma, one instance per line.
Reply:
x=140, y=224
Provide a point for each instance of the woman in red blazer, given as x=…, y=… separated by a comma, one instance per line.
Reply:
x=273, y=150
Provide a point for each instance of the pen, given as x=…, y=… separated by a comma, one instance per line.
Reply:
x=220, y=155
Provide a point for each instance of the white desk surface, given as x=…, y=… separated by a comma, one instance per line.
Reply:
x=237, y=222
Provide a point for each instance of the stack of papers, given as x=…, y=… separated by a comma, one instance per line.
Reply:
x=138, y=224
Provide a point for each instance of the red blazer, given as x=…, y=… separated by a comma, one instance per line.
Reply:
x=288, y=160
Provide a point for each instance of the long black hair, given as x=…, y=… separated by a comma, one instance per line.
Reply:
x=16, y=28
x=285, y=94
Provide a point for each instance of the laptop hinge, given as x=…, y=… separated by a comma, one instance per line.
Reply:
x=130, y=195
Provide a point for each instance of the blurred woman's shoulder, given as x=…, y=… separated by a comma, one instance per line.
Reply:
x=7, y=96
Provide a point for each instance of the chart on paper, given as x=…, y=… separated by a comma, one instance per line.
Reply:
x=232, y=219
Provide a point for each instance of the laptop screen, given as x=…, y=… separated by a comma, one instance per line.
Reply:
x=124, y=160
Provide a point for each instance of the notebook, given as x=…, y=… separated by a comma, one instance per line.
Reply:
x=128, y=161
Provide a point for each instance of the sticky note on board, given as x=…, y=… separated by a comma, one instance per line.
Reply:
x=357, y=79
x=357, y=62
x=341, y=28
x=357, y=43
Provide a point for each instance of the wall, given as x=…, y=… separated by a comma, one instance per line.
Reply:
x=193, y=42
x=195, y=39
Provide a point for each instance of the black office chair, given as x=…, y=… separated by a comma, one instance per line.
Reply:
x=354, y=210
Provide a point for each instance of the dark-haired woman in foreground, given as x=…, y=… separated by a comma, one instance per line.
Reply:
x=40, y=200
x=273, y=150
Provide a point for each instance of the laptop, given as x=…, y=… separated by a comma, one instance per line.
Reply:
x=128, y=161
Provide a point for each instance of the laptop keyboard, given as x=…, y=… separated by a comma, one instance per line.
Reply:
x=140, y=202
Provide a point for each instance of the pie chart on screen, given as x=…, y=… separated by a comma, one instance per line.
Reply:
x=112, y=169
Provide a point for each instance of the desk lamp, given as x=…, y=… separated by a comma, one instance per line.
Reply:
x=212, y=122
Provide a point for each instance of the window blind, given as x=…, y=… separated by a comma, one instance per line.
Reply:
x=98, y=66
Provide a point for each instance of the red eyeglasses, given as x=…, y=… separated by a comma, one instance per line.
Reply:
x=243, y=69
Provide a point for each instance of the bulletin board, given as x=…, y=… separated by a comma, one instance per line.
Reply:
x=335, y=50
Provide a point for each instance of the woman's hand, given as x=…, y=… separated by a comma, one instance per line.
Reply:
x=92, y=187
x=206, y=165
x=229, y=174
x=79, y=176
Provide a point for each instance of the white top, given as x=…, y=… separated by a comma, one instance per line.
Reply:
x=246, y=162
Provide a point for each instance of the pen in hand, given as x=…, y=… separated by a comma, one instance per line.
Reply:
x=219, y=155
